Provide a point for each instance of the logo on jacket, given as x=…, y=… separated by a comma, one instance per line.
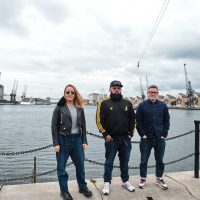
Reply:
x=126, y=108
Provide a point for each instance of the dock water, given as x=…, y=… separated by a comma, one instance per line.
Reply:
x=182, y=186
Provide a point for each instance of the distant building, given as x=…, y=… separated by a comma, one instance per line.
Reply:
x=182, y=100
x=161, y=97
x=86, y=101
x=136, y=101
x=94, y=98
x=170, y=100
x=197, y=95
x=1, y=91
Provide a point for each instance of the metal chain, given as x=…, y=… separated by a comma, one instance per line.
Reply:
x=89, y=133
x=90, y=161
x=181, y=135
x=151, y=166
x=24, y=152
x=137, y=142
x=29, y=177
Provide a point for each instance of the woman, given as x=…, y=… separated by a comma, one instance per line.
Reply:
x=69, y=139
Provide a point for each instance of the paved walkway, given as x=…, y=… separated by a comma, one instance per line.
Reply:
x=182, y=186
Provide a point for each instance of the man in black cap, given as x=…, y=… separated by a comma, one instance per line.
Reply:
x=115, y=119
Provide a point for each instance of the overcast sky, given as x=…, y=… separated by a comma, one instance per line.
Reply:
x=46, y=44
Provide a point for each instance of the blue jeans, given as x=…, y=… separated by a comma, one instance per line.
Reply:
x=70, y=146
x=145, y=149
x=123, y=146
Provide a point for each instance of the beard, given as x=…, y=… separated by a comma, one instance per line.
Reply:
x=115, y=97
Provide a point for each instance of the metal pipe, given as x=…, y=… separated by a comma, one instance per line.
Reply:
x=34, y=171
x=196, y=160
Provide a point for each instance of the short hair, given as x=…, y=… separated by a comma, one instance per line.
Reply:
x=153, y=86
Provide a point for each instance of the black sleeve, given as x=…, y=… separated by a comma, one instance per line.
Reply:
x=55, y=126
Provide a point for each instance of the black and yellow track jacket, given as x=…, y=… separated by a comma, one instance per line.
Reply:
x=115, y=118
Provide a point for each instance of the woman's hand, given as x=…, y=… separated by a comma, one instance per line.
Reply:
x=84, y=146
x=57, y=148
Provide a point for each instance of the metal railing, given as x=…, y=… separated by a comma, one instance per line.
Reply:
x=34, y=174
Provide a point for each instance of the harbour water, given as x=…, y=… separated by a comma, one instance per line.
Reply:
x=29, y=127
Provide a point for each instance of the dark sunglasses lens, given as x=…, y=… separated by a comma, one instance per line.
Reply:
x=68, y=92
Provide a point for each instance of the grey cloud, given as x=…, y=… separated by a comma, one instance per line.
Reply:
x=9, y=16
x=54, y=11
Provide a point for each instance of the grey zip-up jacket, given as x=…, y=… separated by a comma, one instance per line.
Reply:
x=62, y=122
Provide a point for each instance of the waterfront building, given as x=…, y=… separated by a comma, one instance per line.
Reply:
x=94, y=98
x=1, y=91
x=197, y=96
x=161, y=98
x=136, y=101
x=170, y=100
x=182, y=100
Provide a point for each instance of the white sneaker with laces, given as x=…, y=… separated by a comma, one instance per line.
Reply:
x=142, y=183
x=127, y=185
x=106, y=188
x=161, y=183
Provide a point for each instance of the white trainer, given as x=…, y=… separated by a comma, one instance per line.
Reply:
x=142, y=183
x=161, y=183
x=106, y=188
x=127, y=185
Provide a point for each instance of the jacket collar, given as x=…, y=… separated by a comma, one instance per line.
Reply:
x=153, y=102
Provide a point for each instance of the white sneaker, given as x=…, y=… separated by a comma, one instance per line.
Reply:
x=142, y=183
x=161, y=183
x=106, y=188
x=127, y=185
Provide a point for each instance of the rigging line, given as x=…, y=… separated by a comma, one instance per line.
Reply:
x=156, y=24
x=161, y=13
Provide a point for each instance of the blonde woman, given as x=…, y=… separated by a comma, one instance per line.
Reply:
x=69, y=139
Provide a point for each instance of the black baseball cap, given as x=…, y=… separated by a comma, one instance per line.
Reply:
x=116, y=83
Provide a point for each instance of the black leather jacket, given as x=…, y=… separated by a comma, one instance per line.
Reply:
x=62, y=122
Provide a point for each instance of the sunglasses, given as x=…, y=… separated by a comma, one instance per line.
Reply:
x=153, y=92
x=70, y=92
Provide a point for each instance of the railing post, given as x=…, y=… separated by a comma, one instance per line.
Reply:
x=34, y=171
x=196, y=160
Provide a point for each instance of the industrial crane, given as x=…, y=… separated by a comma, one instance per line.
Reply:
x=189, y=90
x=141, y=88
x=24, y=92
x=14, y=91
x=142, y=91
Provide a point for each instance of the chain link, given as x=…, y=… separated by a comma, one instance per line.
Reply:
x=89, y=133
x=137, y=142
x=181, y=135
x=86, y=159
x=24, y=152
x=30, y=177
x=90, y=161
x=151, y=166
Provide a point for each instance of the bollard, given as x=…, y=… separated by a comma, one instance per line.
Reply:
x=196, y=160
x=34, y=171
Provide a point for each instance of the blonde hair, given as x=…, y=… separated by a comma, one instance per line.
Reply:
x=78, y=99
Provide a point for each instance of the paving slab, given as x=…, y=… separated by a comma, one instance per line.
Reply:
x=182, y=186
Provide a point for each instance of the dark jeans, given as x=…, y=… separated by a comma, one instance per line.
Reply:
x=70, y=146
x=123, y=146
x=145, y=149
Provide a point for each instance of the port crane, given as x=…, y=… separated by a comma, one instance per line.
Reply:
x=189, y=90
x=14, y=91
x=24, y=92
x=141, y=88
x=142, y=91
